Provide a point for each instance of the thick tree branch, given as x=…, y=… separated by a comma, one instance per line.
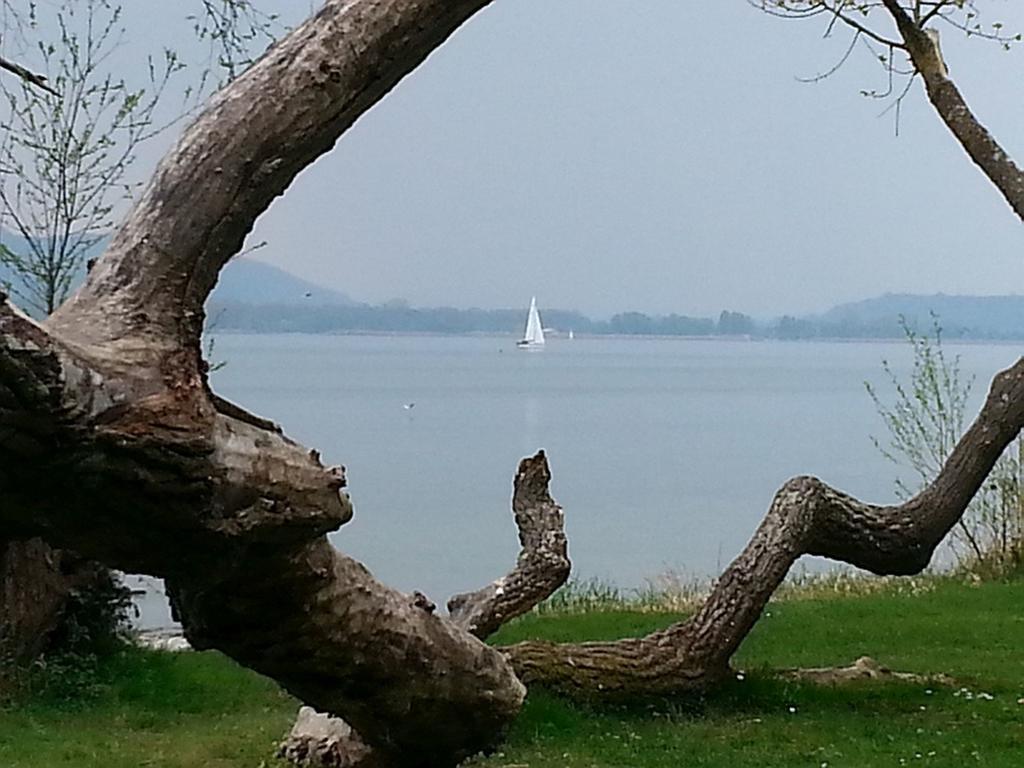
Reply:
x=144, y=298
x=923, y=48
x=806, y=517
x=543, y=565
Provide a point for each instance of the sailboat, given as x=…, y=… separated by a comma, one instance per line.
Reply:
x=533, y=336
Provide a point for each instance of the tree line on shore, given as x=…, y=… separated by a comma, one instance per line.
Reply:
x=399, y=317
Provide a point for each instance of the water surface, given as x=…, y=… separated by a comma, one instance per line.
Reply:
x=665, y=452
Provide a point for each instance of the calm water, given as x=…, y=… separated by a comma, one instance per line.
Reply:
x=665, y=453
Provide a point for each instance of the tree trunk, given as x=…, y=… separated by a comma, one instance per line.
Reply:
x=33, y=592
x=44, y=594
x=234, y=516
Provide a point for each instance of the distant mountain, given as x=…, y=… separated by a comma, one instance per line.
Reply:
x=257, y=297
x=242, y=281
x=959, y=316
x=247, y=281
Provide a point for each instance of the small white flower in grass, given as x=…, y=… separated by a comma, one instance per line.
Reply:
x=740, y=676
x=792, y=710
x=986, y=696
x=928, y=691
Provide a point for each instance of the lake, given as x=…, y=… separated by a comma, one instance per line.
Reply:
x=665, y=453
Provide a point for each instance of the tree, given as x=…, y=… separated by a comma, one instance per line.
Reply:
x=114, y=444
x=735, y=324
x=66, y=151
x=923, y=422
x=68, y=142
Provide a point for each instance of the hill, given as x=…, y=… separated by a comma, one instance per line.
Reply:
x=247, y=281
x=251, y=282
x=959, y=316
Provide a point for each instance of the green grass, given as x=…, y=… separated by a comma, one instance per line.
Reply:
x=143, y=708
x=162, y=710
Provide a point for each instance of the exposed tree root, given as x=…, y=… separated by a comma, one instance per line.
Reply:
x=864, y=668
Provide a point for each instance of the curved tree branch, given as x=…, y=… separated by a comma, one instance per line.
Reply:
x=806, y=517
x=543, y=564
x=144, y=298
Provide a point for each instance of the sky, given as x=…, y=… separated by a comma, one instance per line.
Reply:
x=660, y=156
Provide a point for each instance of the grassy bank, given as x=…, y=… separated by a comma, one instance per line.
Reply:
x=163, y=710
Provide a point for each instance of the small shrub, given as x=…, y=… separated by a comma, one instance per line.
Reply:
x=97, y=617
x=924, y=423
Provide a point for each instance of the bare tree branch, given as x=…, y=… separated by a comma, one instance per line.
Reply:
x=29, y=77
x=543, y=564
x=318, y=740
x=923, y=48
x=806, y=517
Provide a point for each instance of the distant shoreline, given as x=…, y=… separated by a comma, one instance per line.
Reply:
x=558, y=340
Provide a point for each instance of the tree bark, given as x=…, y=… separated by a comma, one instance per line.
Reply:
x=950, y=105
x=318, y=740
x=33, y=592
x=542, y=567
x=807, y=517
x=234, y=516
x=543, y=564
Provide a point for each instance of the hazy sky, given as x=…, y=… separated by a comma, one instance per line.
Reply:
x=658, y=155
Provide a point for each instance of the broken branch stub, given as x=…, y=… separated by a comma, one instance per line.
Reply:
x=542, y=566
x=319, y=741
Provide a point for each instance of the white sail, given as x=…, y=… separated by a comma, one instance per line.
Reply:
x=533, y=336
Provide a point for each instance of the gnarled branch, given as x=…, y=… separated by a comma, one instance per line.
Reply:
x=542, y=567
x=806, y=517
x=543, y=564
